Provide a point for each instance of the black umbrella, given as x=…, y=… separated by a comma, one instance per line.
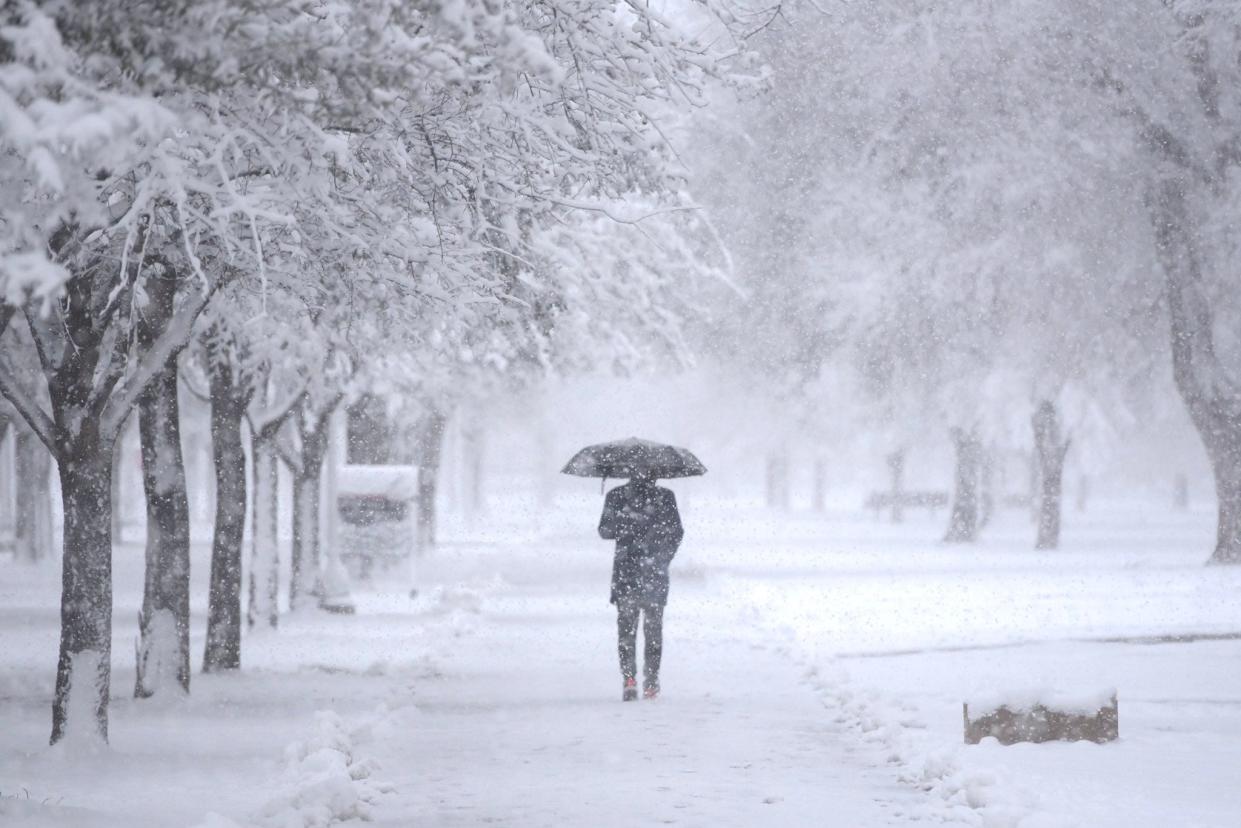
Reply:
x=627, y=458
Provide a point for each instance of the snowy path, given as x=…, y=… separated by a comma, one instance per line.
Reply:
x=809, y=679
x=525, y=728
x=493, y=698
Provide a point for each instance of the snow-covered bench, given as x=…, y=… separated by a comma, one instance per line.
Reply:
x=930, y=500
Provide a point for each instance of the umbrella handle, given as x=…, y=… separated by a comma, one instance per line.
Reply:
x=603, y=482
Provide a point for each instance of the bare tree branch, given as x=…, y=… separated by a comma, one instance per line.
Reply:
x=1158, y=138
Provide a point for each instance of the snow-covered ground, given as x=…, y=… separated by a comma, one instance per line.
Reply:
x=814, y=673
x=896, y=635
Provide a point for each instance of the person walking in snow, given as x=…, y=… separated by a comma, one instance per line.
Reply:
x=644, y=521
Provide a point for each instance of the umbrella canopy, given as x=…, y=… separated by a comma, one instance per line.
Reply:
x=627, y=458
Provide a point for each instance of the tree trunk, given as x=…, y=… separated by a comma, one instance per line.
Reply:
x=819, y=493
x=430, y=449
x=334, y=593
x=228, y=405
x=986, y=487
x=264, y=554
x=1033, y=486
x=778, y=480
x=118, y=520
x=896, y=468
x=84, y=668
x=1212, y=396
x=164, y=646
x=474, y=449
x=307, y=497
x=1180, y=492
x=1050, y=449
x=164, y=625
x=1227, y=468
x=963, y=524
x=307, y=504
x=32, y=526
x=7, y=502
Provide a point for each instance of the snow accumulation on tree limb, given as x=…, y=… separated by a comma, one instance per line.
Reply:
x=266, y=423
x=175, y=337
x=50, y=343
x=116, y=360
x=30, y=411
x=311, y=419
x=198, y=385
x=289, y=455
x=25, y=405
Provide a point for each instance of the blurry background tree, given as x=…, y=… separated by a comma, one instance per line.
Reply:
x=950, y=193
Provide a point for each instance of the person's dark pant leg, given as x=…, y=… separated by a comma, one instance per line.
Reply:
x=627, y=637
x=653, y=637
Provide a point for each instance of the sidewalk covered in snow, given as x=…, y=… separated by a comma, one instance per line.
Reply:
x=793, y=692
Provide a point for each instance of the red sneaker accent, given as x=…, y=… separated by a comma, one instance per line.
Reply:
x=650, y=693
x=630, y=693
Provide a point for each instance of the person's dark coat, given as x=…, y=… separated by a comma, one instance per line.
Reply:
x=643, y=520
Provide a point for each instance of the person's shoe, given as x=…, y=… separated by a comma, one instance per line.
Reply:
x=631, y=690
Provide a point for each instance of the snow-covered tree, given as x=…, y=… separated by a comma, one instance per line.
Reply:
x=1182, y=103
x=933, y=199
x=164, y=151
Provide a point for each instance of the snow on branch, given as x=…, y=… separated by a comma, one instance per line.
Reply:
x=264, y=424
x=149, y=363
x=34, y=415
